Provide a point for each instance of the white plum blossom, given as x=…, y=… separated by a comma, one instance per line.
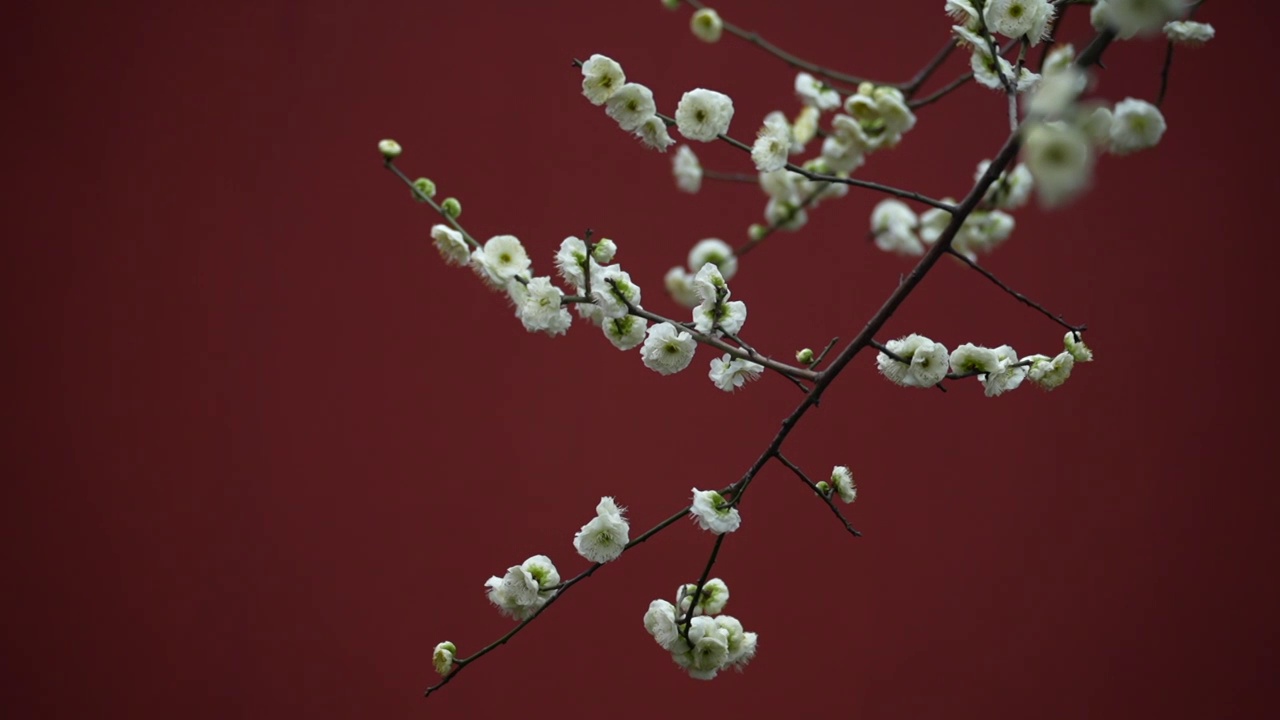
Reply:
x=1060, y=159
x=524, y=588
x=893, y=225
x=710, y=284
x=1136, y=17
x=625, y=332
x=1076, y=347
x=1135, y=125
x=842, y=481
x=881, y=114
x=667, y=350
x=706, y=25
x=988, y=71
x=1012, y=188
x=925, y=366
x=840, y=152
x=603, y=250
x=1056, y=94
x=687, y=169
x=970, y=358
x=805, y=127
x=933, y=222
x=816, y=94
x=709, y=649
x=714, y=251
x=772, y=145
x=962, y=11
x=631, y=105
x=785, y=214
x=1187, y=32
x=1059, y=59
x=703, y=114
x=442, y=657
x=569, y=260
x=1008, y=374
x=500, y=260
x=709, y=511
x=714, y=596
x=679, y=284
x=1016, y=18
x=1096, y=125
x=712, y=316
x=660, y=621
x=601, y=78
x=538, y=306
x=453, y=248
x=742, y=645
x=606, y=535
x=730, y=373
x=1050, y=373
x=614, y=291
x=653, y=133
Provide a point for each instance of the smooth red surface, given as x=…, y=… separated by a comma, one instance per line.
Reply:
x=265, y=447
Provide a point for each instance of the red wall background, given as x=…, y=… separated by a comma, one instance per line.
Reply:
x=265, y=448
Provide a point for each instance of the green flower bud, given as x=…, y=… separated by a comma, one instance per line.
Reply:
x=424, y=186
x=671, y=4
x=452, y=207
x=757, y=231
x=824, y=488
x=805, y=357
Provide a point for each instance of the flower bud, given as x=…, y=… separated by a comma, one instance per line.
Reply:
x=824, y=488
x=452, y=207
x=425, y=187
x=757, y=231
x=603, y=251
x=390, y=149
x=706, y=25
x=805, y=356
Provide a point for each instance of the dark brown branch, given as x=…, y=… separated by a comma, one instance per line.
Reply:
x=826, y=498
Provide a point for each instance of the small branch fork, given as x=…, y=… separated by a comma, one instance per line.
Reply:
x=821, y=379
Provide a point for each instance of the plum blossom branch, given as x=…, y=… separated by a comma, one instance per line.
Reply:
x=417, y=192
x=560, y=589
x=826, y=497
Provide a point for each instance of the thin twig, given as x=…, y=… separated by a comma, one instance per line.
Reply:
x=434, y=206
x=460, y=664
x=1016, y=295
x=825, y=497
x=788, y=58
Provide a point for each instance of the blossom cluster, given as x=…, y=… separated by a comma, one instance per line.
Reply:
x=898, y=229
x=702, y=114
x=699, y=638
x=917, y=361
x=873, y=118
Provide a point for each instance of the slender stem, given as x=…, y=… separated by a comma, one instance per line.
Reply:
x=462, y=663
x=914, y=84
x=825, y=497
x=785, y=369
x=1015, y=294
x=434, y=206
x=702, y=580
x=830, y=344
x=788, y=58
